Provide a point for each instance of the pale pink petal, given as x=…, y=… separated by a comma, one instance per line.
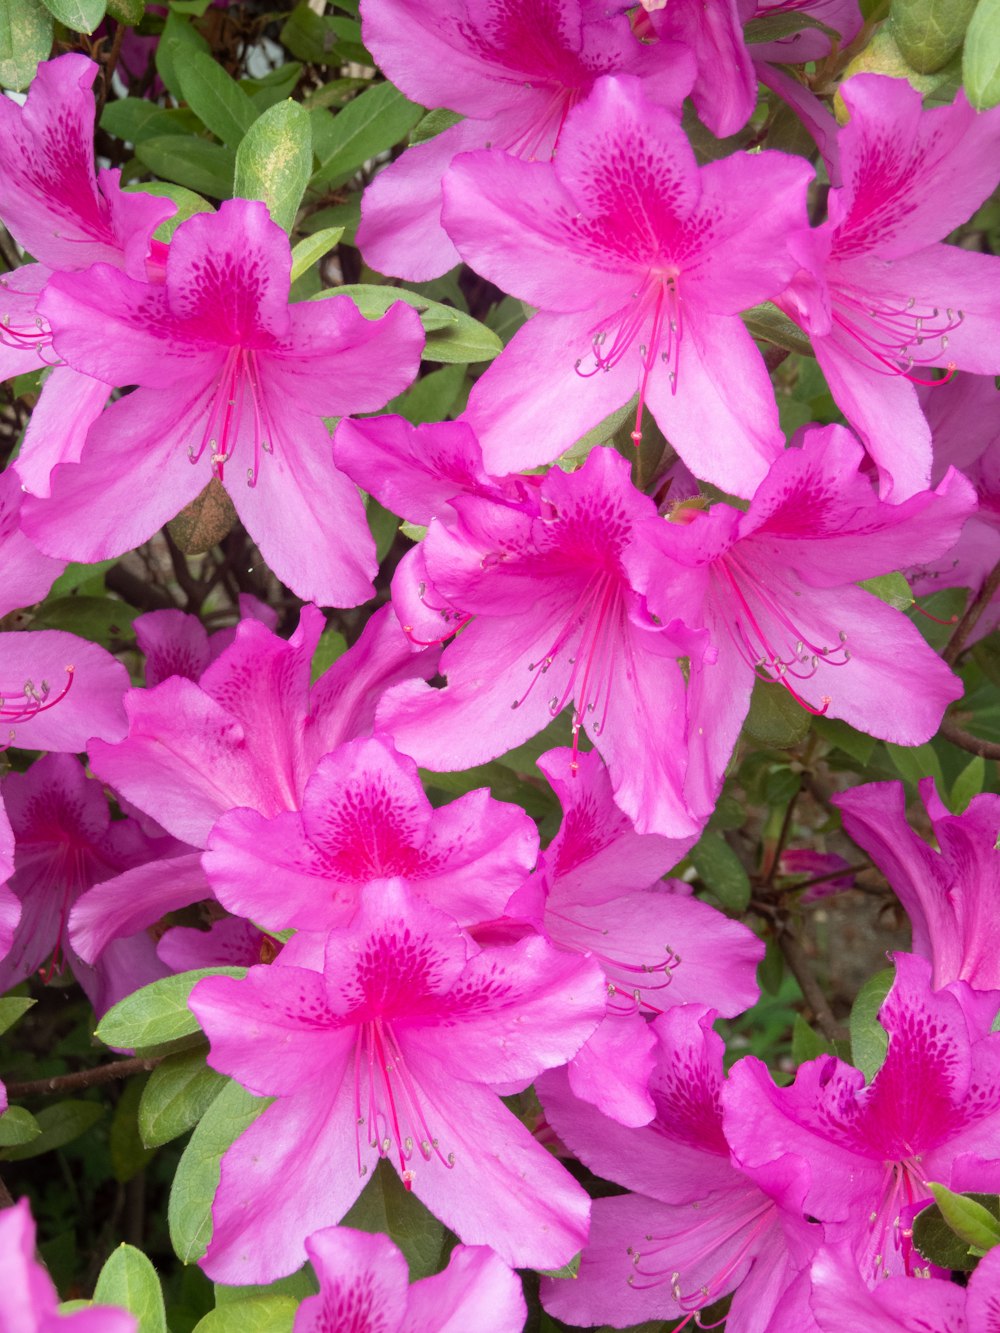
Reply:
x=362, y=1280
x=477, y=1290
x=134, y=900
x=38, y=667
x=611, y=1070
x=27, y=574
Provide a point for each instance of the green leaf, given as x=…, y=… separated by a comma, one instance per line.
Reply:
x=892, y=589
x=981, y=56
x=433, y=124
x=259, y=1314
x=129, y=12
x=913, y=762
x=274, y=161
x=570, y=1270
x=386, y=1206
x=807, y=1043
x=58, y=1124
x=969, y=783
x=103, y=620
x=129, y=1155
x=177, y=43
x=372, y=123
x=929, y=32
x=452, y=336
x=178, y=1094
x=601, y=434
x=88, y=579
x=25, y=39
x=129, y=1280
x=188, y=204
x=323, y=40
x=13, y=1008
x=273, y=87
x=775, y=719
x=332, y=645
x=80, y=15
x=298, y=1285
x=189, y=1214
x=157, y=1014
x=18, y=1126
x=134, y=119
x=774, y=27
x=858, y=744
x=312, y=248
x=216, y=99
x=936, y=1241
x=869, y=1041
x=206, y=168
x=769, y=324
x=771, y=968
x=721, y=871
x=383, y=526
x=969, y=1220
x=432, y=397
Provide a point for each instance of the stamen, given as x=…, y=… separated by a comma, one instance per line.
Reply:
x=238, y=380
x=31, y=700
x=897, y=337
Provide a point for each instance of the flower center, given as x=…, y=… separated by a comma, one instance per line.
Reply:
x=903, y=1185
x=391, y=1113
x=629, y=982
x=30, y=700
x=899, y=336
x=238, y=390
x=654, y=310
x=785, y=653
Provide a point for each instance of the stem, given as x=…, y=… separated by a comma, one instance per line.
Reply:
x=85, y=1078
x=798, y=964
x=965, y=740
x=971, y=619
x=110, y=66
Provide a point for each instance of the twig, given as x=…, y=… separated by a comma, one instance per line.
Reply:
x=971, y=618
x=965, y=740
x=110, y=66
x=85, y=1078
x=799, y=965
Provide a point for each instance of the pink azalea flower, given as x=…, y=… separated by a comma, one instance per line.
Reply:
x=57, y=691
x=950, y=894
x=65, y=842
x=248, y=734
x=931, y=1113
x=27, y=574
x=725, y=90
x=840, y=1299
x=30, y=1301
x=514, y=69
x=599, y=892
x=552, y=584
x=881, y=298
x=226, y=369
x=697, y=1227
x=640, y=262
x=388, y=1052
x=777, y=590
x=364, y=819
x=175, y=643
x=363, y=1287
x=230, y=942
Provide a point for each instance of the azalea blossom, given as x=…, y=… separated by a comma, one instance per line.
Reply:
x=513, y=69
x=30, y=1301
x=883, y=300
x=364, y=819
x=931, y=1113
x=363, y=1287
x=231, y=379
x=558, y=621
x=697, y=1226
x=387, y=1049
x=27, y=574
x=639, y=262
x=778, y=596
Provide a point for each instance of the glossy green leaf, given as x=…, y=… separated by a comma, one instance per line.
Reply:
x=858, y=744
x=452, y=336
x=570, y=1270
x=935, y=1239
x=25, y=39
x=981, y=56
x=18, y=1126
x=103, y=620
x=177, y=42
x=386, y=1206
x=929, y=32
x=188, y=204
x=969, y=783
x=177, y=1095
x=297, y=1285
x=969, y=1220
x=274, y=161
x=157, y=1014
x=59, y=1124
x=432, y=397
x=775, y=27
x=434, y=123
x=913, y=762
x=273, y=87
x=259, y=1314
x=312, y=248
x=129, y=1155
x=892, y=589
x=12, y=1008
x=807, y=1043
x=769, y=324
x=372, y=123
x=80, y=15
x=869, y=1041
x=323, y=39
x=189, y=1214
x=216, y=99
x=129, y=1280
x=775, y=719
x=129, y=12
x=204, y=167
x=135, y=119
x=721, y=871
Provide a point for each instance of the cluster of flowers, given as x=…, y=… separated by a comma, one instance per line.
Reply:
x=409, y=966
